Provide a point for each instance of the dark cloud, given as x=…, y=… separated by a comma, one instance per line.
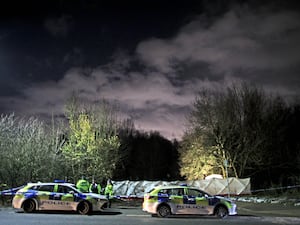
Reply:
x=239, y=44
x=152, y=75
x=59, y=27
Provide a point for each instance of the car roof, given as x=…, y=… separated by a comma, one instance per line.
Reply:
x=173, y=186
x=160, y=187
x=50, y=183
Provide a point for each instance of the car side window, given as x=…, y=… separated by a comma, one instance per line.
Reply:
x=164, y=191
x=195, y=193
x=48, y=188
x=177, y=191
x=180, y=192
x=64, y=189
x=35, y=187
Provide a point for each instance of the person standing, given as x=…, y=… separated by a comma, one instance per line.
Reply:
x=95, y=188
x=109, y=191
x=83, y=185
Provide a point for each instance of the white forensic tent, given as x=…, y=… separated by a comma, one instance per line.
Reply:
x=214, y=186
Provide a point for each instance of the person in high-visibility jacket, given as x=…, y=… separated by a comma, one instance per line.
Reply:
x=109, y=191
x=83, y=185
x=95, y=188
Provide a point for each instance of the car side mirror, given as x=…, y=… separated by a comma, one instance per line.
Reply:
x=71, y=192
x=206, y=195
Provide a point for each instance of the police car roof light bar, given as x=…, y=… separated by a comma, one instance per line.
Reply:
x=59, y=181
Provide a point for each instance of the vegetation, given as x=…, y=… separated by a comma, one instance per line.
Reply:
x=196, y=162
x=254, y=133
x=28, y=151
x=91, y=149
x=251, y=131
x=149, y=156
x=93, y=143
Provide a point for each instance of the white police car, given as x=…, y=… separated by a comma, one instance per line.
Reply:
x=57, y=196
x=167, y=200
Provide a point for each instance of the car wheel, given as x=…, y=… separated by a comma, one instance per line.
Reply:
x=104, y=206
x=163, y=211
x=84, y=208
x=221, y=212
x=29, y=206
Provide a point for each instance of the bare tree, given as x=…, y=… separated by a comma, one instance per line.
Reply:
x=27, y=150
x=230, y=123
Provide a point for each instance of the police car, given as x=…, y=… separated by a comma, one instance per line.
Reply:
x=57, y=196
x=167, y=200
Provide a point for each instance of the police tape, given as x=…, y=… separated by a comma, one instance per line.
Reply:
x=11, y=191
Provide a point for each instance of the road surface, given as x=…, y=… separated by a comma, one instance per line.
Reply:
x=130, y=216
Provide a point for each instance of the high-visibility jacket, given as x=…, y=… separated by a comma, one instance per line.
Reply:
x=109, y=190
x=95, y=188
x=83, y=185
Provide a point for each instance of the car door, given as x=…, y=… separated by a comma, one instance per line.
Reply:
x=44, y=196
x=195, y=201
x=63, y=197
x=176, y=200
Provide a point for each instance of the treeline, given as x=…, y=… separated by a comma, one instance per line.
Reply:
x=246, y=131
x=149, y=156
x=93, y=143
x=241, y=131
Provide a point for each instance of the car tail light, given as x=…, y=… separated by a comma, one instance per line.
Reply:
x=147, y=197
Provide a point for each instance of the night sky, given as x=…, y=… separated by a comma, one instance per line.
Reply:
x=148, y=57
